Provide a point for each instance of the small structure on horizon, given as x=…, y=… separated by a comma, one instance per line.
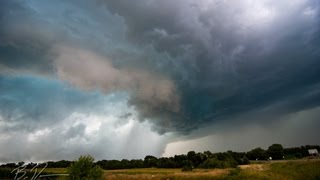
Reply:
x=313, y=152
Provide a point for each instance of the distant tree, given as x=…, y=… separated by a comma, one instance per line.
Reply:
x=166, y=163
x=304, y=151
x=257, y=154
x=245, y=160
x=59, y=164
x=21, y=163
x=179, y=159
x=125, y=163
x=208, y=154
x=200, y=158
x=313, y=147
x=30, y=165
x=103, y=164
x=193, y=158
x=9, y=165
x=240, y=157
x=137, y=163
x=214, y=162
x=113, y=164
x=221, y=160
x=293, y=152
x=150, y=161
x=276, y=151
x=84, y=168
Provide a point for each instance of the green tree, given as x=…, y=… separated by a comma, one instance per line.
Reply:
x=84, y=168
x=276, y=151
x=150, y=161
x=215, y=162
x=208, y=154
x=191, y=156
x=257, y=154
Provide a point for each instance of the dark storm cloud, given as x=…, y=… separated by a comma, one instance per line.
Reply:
x=185, y=63
x=240, y=57
x=58, y=39
x=24, y=41
x=31, y=29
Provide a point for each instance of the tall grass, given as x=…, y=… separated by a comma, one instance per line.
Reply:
x=284, y=170
x=300, y=170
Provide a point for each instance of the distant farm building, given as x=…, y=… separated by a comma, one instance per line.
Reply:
x=313, y=152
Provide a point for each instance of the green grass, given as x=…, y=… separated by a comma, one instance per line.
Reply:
x=282, y=170
x=286, y=170
x=143, y=171
x=155, y=173
x=307, y=169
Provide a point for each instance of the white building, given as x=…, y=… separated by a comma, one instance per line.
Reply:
x=313, y=152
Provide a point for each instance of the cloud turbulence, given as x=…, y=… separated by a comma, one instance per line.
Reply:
x=158, y=77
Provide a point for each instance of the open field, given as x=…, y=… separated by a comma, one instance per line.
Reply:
x=165, y=174
x=290, y=169
x=295, y=169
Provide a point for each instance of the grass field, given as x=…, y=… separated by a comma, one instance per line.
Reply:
x=282, y=170
x=295, y=169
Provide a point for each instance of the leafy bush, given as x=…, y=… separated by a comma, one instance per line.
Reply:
x=216, y=163
x=84, y=168
x=186, y=168
x=245, y=160
x=187, y=165
x=276, y=151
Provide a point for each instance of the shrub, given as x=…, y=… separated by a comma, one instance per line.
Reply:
x=84, y=168
x=187, y=166
x=216, y=163
x=245, y=160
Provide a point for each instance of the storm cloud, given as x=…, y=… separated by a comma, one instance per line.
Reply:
x=240, y=55
x=179, y=67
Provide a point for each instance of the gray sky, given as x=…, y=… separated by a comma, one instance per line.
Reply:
x=125, y=79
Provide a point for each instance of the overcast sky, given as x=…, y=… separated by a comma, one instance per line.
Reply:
x=125, y=79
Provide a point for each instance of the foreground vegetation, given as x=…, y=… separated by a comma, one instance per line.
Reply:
x=284, y=169
x=292, y=169
x=206, y=165
x=206, y=160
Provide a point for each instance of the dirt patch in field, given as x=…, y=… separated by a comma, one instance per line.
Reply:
x=170, y=175
x=209, y=172
x=254, y=167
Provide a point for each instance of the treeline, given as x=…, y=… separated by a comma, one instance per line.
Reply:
x=49, y=164
x=208, y=159
x=276, y=152
x=191, y=160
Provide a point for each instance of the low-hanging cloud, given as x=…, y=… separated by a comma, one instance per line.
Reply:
x=149, y=92
x=45, y=119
